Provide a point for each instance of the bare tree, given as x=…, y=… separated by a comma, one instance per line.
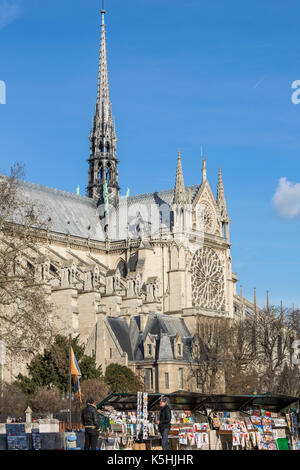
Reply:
x=251, y=353
x=207, y=353
x=273, y=348
x=13, y=401
x=95, y=388
x=239, y=356
x=46, y=400
x=25, y=313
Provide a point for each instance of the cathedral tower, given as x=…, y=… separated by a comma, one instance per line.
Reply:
x=103, y=163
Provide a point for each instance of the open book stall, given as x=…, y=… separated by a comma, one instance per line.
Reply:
x=265, y=431
x=200, y=422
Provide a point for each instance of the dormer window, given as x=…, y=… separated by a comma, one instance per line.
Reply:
x=149, y=349
x=179, y=350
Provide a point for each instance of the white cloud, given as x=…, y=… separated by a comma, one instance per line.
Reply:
x=9, y=11
x=287, y=199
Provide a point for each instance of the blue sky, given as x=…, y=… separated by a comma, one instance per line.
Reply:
x=182, y=75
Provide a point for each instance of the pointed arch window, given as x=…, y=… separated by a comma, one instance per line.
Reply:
x=122, y=267
x=100, y=173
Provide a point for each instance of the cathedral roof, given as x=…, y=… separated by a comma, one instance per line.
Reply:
x=69, y=213
x=160, y=197
x=64, y=212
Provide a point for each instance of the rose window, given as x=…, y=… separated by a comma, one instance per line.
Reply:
x=207, y=279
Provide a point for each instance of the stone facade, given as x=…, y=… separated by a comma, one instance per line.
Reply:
x=131, y=274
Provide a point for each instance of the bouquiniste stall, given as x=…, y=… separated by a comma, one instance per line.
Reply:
x=201, y=421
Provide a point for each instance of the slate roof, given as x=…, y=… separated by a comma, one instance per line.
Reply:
x=65, y=212
x=77, y=215
x=160, y=197
x=163, y=328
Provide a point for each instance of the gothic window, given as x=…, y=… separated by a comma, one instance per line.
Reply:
x=182, y=219
x=53, y=269
x=122, y=267
x=172, y=219
x=133, y=261
x=208, y=219
x=100, y=173
x=208, y=287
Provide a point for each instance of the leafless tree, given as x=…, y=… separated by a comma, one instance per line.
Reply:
x=91, y=388
x=25, y=313
x=12, y=401
x=273, y=348
x=46, y=400
x=251, y=353
x=207, y=353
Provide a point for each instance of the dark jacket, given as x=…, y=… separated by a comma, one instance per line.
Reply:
x=90, y=417
x=164, y=417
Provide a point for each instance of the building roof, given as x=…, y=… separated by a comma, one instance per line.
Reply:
x=163, y=329
x=64, y=212
x=77, y=215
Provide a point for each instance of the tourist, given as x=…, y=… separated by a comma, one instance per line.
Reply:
x=164, y=422
x=91, y=422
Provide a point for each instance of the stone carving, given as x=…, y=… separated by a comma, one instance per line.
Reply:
x=207, y=279
x=68, y=275
x=153, y=289
x=134, y=286
x=209, y=219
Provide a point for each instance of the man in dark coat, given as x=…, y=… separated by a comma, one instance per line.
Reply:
x=164, y=422
x=91, y=421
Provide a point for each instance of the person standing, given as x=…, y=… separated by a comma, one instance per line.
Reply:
x=164, y=422
x=91, y=422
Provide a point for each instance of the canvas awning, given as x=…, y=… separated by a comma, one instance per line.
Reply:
x=182, y=400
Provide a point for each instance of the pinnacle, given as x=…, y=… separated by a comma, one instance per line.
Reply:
x=180, y=193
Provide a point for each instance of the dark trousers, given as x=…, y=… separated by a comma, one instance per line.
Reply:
x=91, y=439
x=164, y=438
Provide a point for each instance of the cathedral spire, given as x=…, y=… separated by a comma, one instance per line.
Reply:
x=221, y=203
x=221, y=200
x=179, y=193
x=103, y=162
x=203, y=169
x=220, y=193
x=103, y=87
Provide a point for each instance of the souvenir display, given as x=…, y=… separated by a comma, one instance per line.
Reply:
x=238, y=431
x=16, y=437
x=36, y=439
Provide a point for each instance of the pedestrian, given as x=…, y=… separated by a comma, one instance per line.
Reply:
x=164, y=422
x=91, y=422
